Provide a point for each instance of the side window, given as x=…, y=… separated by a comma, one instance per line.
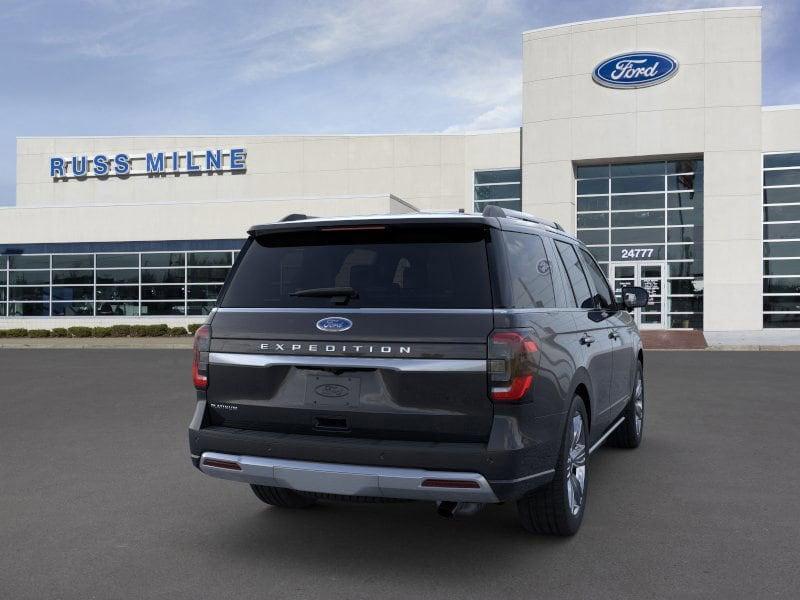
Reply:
x=575, y=274
x=531, y=281
x=603, y=299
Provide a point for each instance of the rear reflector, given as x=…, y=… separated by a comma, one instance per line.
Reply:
x=222, y=464
x=450, y=483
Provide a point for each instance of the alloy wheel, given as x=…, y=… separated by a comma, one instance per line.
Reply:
x=638, y=405
x=576, y=465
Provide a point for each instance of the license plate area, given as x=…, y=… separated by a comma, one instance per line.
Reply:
x=332, y=392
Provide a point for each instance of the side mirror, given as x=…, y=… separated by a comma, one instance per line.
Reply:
x=634, y=297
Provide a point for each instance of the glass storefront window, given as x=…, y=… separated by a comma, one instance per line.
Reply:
x=117, y=292
x=199, y=308
x=73, y=261
x=209, y=275
x=28, y=309
x=107, y=276
x=112, y=283
x=72, y=309
x=501, y=187
x=73, y=277
x=163, y=275
x=72, y=292
x=29, y=261
x=29, y=277
x=209, y=259
x=781, y=248
x=176, y=309
x=114, y=261
x=39, y=294
x=163, y=259
x=204, y=292
x=648, y=212
x=117, y=309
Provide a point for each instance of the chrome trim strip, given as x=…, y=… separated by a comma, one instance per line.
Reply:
x=518, y=479
x=349, y=480
x=365, y=362
x=368, y=311
x=606, y=434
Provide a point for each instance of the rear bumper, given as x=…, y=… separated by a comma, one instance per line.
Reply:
x=349, y=480
x=511, y=464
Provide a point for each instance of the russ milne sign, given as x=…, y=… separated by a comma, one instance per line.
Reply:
x=635, y=70
x=150, y=163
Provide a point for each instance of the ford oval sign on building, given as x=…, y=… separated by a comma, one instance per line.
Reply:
x=635, y=70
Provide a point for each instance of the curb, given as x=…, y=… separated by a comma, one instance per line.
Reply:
x=164, y=343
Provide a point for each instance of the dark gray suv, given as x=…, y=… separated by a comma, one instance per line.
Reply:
x=464, y=359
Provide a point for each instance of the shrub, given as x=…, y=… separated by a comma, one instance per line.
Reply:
x=38, y=333
x=176, y=331
x=194, y=327
x=157, y=330
x=59, y=332
x=2, y=333
x=101, y=332
x=80, y=332
x=16, y=332
x=120, y=330
x=138, y=330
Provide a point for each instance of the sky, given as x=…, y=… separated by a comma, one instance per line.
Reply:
x=159, y=67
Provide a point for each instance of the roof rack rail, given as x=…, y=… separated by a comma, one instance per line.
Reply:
x=295, y=217
x=496, y=211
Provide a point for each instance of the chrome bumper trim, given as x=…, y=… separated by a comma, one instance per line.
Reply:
x=348, y=480
x=365, y=362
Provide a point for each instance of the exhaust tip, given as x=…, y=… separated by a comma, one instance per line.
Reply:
x=456, y=510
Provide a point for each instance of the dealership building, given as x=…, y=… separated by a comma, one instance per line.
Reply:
x=645, y=135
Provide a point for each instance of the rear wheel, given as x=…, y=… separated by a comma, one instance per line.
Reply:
x=629, y=433
x=281, y=497
x=557, y=509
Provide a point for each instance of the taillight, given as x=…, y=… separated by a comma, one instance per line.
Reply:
x=512, y=362
x=202, y=344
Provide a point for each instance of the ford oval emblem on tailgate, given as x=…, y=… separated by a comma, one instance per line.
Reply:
x=334, y=324
x=332, y=390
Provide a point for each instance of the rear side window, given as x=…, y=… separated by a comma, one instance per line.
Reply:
x=531, y=281
x=603, y=298
x=392, y=267
x=575, y=274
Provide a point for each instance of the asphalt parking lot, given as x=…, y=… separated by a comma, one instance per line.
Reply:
x=98, y=499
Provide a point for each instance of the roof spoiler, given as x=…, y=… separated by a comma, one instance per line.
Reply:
x=496, y=211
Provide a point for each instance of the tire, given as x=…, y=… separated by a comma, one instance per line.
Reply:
x=557, y=509
x=282, y=497
x=629, y=433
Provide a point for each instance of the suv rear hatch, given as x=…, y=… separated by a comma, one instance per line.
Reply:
x=364, y=330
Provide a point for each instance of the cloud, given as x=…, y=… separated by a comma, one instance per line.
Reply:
x=328, y=34
x=497, y=117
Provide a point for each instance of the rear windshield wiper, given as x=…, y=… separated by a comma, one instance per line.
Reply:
x=338, y=295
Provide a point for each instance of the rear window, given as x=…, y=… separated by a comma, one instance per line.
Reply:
x=398, y=267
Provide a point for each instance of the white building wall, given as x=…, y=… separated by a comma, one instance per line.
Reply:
x=780, y=127
x=712, y=107
x=432, y=171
